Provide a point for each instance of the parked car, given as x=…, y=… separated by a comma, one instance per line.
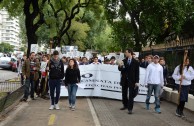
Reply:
x=1, y=55
x=7, y=62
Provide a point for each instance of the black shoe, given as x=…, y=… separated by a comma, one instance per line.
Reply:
x=44, y=97
x=123, y=108
x=161, y=99
x=130, y=112
x=178, y=113
x=33, y=98
x=23, y=100
x=182, y=115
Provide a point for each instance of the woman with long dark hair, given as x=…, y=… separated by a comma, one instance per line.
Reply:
x=72, y=78
x=185, y=73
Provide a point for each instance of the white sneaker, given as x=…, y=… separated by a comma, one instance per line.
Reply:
x=73, y=108
x=51, y=107
x=70, y=106
x=57, y=107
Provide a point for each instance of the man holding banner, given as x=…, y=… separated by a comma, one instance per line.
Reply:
x=130, y=68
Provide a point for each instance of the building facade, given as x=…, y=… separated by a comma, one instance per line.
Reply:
x=9, y=30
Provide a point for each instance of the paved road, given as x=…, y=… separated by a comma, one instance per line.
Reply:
x=7, y=74
x=110, y=115
x=94, y=112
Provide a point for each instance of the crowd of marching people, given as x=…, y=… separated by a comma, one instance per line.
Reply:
x=44, y=74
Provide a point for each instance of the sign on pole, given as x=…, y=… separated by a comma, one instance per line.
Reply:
x=43, y=66
x=34, y=48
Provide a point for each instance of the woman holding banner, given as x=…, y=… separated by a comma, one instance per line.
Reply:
x=72, y=78
x=183, y=74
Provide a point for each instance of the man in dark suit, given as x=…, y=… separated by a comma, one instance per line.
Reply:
x=129, y=68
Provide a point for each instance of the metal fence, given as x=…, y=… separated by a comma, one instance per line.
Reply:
x=173, y=57
x=9, y=86
x=10, y=92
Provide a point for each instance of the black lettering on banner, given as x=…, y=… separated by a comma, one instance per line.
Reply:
x=87, y=75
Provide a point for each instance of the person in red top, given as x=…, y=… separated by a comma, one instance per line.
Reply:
x=43, y=83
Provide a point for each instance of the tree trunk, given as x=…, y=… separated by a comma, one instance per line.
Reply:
x=31, y=37
x=137, y=47
x=31, y=28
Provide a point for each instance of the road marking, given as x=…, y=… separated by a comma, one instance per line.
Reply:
x=51, y=119
x=93, y=112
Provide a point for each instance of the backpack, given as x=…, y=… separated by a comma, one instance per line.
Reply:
x=56, y=71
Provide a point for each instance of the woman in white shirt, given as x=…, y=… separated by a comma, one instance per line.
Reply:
x=186, y=75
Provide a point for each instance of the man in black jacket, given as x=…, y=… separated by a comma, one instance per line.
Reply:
x=129, y=68
x=56, y=75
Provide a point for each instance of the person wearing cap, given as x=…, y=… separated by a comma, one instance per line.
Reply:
x=154, y=81
x=56, y=74
x=129, y=80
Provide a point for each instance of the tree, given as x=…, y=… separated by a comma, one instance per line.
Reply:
x=34, y=17
x=6, y=47
x=150, y=21
x=60, y=16
x=77, y=34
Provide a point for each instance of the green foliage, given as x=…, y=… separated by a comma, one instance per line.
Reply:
x=150, y=21
x=22, y=34
x=24, y=49
x=14, y=7
x=78, y=32
x=6, y=47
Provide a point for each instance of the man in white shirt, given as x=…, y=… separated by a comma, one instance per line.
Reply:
x=154, y=81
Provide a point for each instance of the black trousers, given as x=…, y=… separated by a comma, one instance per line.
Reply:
x=125, y=95
x=22, y=79
x=128, y=101
x=36, y=87
x=181, y=106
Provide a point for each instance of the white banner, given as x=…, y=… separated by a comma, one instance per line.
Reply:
x=104, y=81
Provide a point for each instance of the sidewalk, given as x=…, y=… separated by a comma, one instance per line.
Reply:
x=36, y=113
x=95, y=112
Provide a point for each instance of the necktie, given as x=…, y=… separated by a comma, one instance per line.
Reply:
x=129, y=61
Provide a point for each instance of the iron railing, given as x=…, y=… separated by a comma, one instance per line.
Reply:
x=8, y=86
x=10, y=92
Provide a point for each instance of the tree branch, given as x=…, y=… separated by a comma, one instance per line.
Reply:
x=26, y=7
x=41, y=16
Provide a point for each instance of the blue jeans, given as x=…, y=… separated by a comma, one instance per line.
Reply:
x=54, y=84
x=156, y=88
x=29, y=88
x=72, y=89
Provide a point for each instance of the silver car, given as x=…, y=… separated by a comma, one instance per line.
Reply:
x=7, y=62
